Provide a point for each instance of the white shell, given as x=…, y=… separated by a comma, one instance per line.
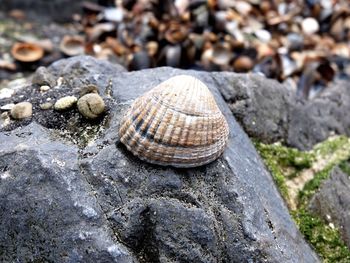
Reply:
x=177, y=123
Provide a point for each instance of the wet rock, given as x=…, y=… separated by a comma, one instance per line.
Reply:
x=332, y=202
x=212, y=213
x=21, y=110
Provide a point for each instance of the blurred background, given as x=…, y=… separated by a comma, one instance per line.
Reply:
x=302, y=43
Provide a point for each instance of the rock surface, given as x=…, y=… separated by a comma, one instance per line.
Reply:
x=271, y=112
x=69, y=204
x=332, y=202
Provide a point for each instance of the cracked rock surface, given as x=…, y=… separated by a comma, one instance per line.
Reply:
x=69, y=197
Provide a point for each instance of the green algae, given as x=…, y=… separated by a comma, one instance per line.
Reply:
x=283, y=162
x=345, y=167
x=286, y=163
x=325, y=238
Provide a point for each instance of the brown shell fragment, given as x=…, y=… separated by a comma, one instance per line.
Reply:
x=177, y=123
x=27, y=52
x=72, y=45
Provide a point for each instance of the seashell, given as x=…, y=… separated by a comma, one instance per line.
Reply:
x=140, y=60
x=27, y=52
x=72, y=45
x=176, y=33
x=173, y=56
x=221, y=55
x=243, y=64
x=310, y=25
x=177, y=123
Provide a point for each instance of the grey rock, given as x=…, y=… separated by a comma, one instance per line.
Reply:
x=227, y=211
x=332, y=202
x=80, y=71
x=47, y=208
x=259, y=104
x=43, y=77
x=271, y=112
x=314, y=121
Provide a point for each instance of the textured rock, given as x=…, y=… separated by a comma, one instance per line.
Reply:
x=271, y=112
x=332, y=202
x=227, y=211
x=43, y=77
x=47, y=208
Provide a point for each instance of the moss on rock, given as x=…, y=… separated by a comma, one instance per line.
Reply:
x=287, y=164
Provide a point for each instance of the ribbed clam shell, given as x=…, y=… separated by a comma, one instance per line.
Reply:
x=177, y=123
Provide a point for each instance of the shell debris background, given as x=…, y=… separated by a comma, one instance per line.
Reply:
x=177, y=123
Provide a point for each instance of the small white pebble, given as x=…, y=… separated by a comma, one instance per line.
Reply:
x=65, y=103
x=5, y=175
x=59, y=81
x=90, y=212
x=22, y=110
x=7, y=106
x=6, y=93
x=114, y=251
x=263, y=35
x=44, y=88
x=310, y=26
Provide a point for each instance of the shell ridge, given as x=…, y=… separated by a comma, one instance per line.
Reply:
x=132, y=133
x=177, y=123
x=144, y=134
x=134, y=126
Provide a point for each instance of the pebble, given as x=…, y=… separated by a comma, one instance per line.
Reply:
x=310, y=26
x=46, y=106
x=60, y=81
x=243, y=64
x=91, y=105
x=65, y=103
x=21, y=110
x=6, y=93
x=243, y=7
x=4, y=119
x=263, y=35
x=44, y=88
x=7, y=106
